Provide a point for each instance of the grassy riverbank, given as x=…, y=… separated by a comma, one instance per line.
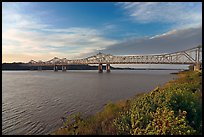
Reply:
x=173, y=109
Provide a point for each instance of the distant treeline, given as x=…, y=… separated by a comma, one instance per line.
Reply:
x=23, y=66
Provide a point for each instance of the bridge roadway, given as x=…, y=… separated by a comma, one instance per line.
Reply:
x=191, y=56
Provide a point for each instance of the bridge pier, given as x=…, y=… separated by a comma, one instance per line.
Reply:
x=100, y=68
x=55, y=68
x=64, y=68
x=107, y=67
x=197, y=67
x=39, y=67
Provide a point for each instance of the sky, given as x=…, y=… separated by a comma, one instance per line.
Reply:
x=43, y=30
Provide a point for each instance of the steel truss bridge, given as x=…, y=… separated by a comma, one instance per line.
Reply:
x=190, y=56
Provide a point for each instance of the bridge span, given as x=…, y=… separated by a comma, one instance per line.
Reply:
x=191, y=56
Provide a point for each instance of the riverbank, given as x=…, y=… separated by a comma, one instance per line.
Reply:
x=173, y=109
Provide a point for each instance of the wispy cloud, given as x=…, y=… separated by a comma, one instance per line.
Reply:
x=25, y=34
x=180, y=13
x=109, y=26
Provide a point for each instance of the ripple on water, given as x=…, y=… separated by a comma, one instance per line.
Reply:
x=34, y=102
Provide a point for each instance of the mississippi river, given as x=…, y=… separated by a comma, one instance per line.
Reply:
x=34, y=101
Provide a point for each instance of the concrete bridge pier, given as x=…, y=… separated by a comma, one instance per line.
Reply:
x=107, y=67
x=197, y=67
x=55, y=68
x=64, y=68
x=100, y=68
x=39, y=67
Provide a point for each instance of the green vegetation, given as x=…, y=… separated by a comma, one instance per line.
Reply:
x=174, y=109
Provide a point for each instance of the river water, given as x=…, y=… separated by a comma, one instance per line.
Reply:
x=33, y=102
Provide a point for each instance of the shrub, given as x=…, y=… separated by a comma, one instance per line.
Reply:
x=174, y=109
x=164, y=122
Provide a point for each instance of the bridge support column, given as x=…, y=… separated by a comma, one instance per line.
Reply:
x=107, y=67
x=55, y=68
x=39, y=67
x=197, y=67
x=64, y=68
x=100, y=68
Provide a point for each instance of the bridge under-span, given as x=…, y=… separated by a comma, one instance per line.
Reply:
x=191, y=56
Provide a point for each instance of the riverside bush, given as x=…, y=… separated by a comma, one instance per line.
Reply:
x=174, y=109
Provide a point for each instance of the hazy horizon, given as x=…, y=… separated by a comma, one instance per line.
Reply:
x=41, y=30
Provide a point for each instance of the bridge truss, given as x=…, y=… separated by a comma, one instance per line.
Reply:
x=189, y=56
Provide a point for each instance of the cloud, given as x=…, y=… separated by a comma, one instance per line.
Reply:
x=25, y=37
x=21, y=41
x=109, y=26
x=24, y=34
x=172, y=41
x=28, y=40
x=165, y=34
x=167, y=12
